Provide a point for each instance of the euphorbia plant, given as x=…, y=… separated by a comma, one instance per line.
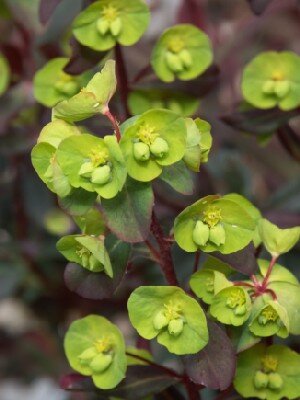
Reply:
x=106, y=185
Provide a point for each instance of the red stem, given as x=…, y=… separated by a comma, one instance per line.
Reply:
x=240, y=283
x=196, y=263
x=269, y=271
x=166, y=261
x=114, y=124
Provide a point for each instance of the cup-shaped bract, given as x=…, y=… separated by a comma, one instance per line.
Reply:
x=95, y=347
x=230, y=226
x=183, y=51
x=43, y=156
x=270, y=373
x=231, y=306
x=167, y=313
x=94, y=164
x=88, y=251
x=198, y=143
x=141, y=100
x=206, y=283
x=92, y=99
x=151, y=141
x=107, y=22
x=4, y=74
x=52, y=85
x=277, y=241
x=268, y=318
x=273, y=79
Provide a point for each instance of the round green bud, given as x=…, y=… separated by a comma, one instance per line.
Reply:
x=85, y=260
x=101, y=362
x=87, y=355
x=260, y=380
x=102, y=26
x=67, y=87
x=217, y=234
x=262, y=320
x=174, y=62
x=201, y=233
x=141, y=151
x=269, y=87
x=240, y=310
x=160, y=321
x=275, y=381
x=86, y=169
x=175, y=326
x=186, y=58
x=116, y=26
x=159, y=148
x=94, y=264
x=282, y=88
x=101, y=175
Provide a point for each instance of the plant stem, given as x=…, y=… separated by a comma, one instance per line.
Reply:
x=122, y=78
x=166, y=261
x=191, y=388
x=196, y=263
x=269, y=271
x=114, y=123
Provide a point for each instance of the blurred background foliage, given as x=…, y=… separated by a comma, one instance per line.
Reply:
x=248, y=157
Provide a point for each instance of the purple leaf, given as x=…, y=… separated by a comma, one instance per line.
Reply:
x=259, y=6
x=46, y=9
x=290, y=141
x=96, y=286
x=128, y=215
x=259, y=122
x=191, y=12
x=243, y=261
x=214, y=366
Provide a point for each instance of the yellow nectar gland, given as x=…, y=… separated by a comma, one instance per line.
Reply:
x=277, y=76
x=172, y=311
x=99, y=157
x=212, y=216
x=209, y=283
x=103, y=345
x=269, y=363
x=236, y=298
x=176, y=44
x=109, y=13
x=269, y=314
x=147, y=134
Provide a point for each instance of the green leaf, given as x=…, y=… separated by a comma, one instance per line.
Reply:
x=153, y=125
x=272, y=79
x=276, y=359
x=56, y=131
x=231, y=306
x=207, y=283
x=183, y=51
x=179, y=178
x=141, y=100
x=238, y=225
x=278, y=241
x=133, y=351
x=155, y=311
x=52, y=84
x=4, y=74
x=107, y=22
x=57, y=222
x=96, y=334
x=78, y=202
x=128, y=215
x=91, y=223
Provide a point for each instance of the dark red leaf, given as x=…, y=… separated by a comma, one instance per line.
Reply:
x=46, y=9
x=259, y=6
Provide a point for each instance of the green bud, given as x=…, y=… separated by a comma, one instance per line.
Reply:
x=102, y=26
x=240, y=310
x=141, y=151
x=217, y=234
x=260, y=380
x=86, y=169
x=94, y=264
x=282, y=88
x=159, y=147
x=88, y=354
x=101, y=175
x=201, y=233
x=275, y=381
x=175, y=326
x=67, y=87
x=262, y=320
x=174, y=62
x=160, y=321
x=85, y=260
x=101, y=362
x=116, y=26
x=186, y=58
x=269, y=86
